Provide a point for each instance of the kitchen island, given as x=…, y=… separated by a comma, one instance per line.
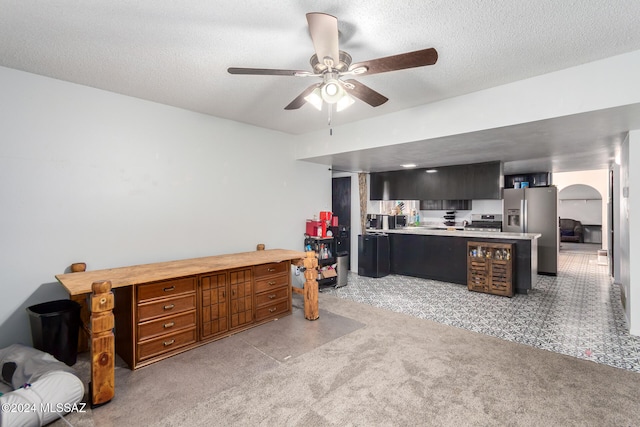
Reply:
x=442, y=254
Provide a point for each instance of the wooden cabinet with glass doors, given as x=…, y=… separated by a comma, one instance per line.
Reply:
x=490, y=268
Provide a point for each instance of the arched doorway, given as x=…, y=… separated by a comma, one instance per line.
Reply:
x=583, y=203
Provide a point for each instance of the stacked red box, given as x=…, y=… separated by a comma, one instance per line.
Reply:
x=313, y=227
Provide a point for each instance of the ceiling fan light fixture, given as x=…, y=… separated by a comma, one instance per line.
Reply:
x=332, y=91
x=344, y=102
x=315, y=98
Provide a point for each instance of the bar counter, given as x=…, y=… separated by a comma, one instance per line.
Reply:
x=454, y=232
x=442, y=254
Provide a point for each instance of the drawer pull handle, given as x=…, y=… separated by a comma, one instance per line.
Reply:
x=271, y=269
x=169, y=289
x=168, y=343
x=271, y=310
x=272, y=296
x=169, y=306
x=272, y=283
x=169, y=325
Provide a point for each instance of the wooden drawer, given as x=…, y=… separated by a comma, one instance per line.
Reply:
x=166, y=289
x=166, y=325
x=271, y=269
x=267, y=298
x=166, y=343
x=168, y=306
x=272, y=310
x=272, y=283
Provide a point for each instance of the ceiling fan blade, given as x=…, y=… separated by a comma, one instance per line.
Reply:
x=324, y=34
x=418, y=58
x=266, y=71
x=300, y=101
x=365, y=93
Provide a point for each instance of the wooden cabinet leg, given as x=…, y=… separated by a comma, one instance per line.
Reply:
x=102, y=386
x=311, y=286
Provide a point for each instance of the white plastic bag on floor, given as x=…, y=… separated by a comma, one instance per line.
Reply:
x=44, y=388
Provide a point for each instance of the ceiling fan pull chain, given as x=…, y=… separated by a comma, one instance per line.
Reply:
x=330, y=110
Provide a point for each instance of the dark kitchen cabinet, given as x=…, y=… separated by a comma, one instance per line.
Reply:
x=377, y=186
x=484, y=180
x=407, y=254
x=394, y=185
x=442, y=184
x=462, y=182
x=446, y=205
x=446, y=183
x=430, y=257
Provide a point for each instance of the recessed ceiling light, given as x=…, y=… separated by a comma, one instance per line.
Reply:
x=431, y=171
x=409, y=165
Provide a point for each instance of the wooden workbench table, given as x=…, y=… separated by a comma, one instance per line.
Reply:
x=96, y=286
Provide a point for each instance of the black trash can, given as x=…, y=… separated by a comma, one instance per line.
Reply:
x=54, y=328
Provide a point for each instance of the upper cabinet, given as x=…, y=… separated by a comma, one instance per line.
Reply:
x=486, y=180
x=534, y=179
x=463, y=182
x=395, y=185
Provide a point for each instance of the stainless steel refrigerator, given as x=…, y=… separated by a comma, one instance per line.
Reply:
x=535, y=210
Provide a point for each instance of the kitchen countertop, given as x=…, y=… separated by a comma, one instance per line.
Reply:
x=432, y=231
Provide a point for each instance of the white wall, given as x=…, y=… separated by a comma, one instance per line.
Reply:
x=614, y=246
x=599, y=180
x=624, y=237
x=92, y=176
x=630, y=246
x=627, y=244
x=587, y=211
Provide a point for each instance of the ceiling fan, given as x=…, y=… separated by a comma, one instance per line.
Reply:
x=331, y=64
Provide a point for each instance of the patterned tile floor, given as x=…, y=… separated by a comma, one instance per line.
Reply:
x=577, y=313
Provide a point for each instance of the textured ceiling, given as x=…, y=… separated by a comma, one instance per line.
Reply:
x=177, y=53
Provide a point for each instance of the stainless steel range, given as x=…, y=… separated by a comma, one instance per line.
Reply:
x=485, y=222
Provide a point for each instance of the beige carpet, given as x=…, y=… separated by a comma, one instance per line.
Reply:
x=363, y=366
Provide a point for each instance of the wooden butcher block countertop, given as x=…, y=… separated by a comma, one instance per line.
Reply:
x=80, y=283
